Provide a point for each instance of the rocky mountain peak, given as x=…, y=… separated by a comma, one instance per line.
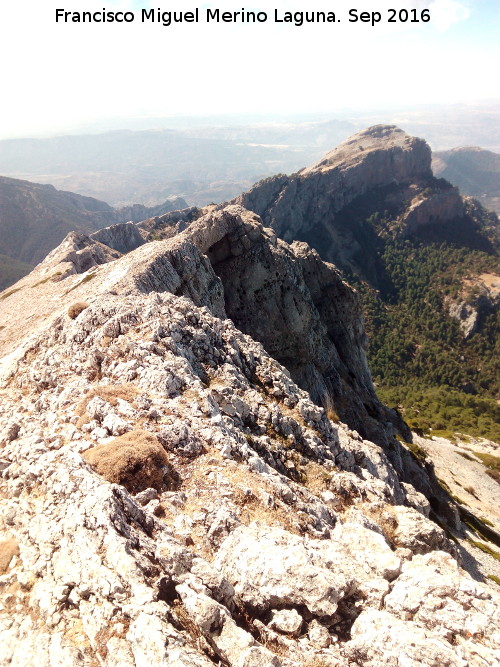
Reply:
x=379, y=181
x=382, y=147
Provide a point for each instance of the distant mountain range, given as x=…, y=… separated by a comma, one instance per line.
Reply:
x=150, y=166
x=212, y=159
x=474, y=170
x=35, y=218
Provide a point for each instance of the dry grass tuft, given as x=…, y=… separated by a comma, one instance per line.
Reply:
x=329, y=408
x=76, y=309
x=110, y=393
x=8, y=549
x=136, y=460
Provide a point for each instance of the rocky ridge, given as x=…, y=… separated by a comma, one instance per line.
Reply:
x=247, y=551
x=227, y=261
x=35, y=218
x=171, y=496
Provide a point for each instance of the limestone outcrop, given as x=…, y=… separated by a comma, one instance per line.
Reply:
x=269, y=544
x=122, y=237
x=479, y=297
x=284, y=296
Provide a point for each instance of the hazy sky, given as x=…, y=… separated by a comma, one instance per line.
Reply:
x=58, y=76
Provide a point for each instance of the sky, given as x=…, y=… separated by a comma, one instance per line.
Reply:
x=57, y=77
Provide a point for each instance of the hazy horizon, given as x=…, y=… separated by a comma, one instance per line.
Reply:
x=68, y=77
x=412, y=115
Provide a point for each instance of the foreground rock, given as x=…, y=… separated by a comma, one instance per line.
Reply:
x=268, y=542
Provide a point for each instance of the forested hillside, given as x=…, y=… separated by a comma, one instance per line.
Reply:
x=419, y=355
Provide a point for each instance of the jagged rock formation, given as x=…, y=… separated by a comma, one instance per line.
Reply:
x=272, y=291
x=120, y=237
x=303, y=313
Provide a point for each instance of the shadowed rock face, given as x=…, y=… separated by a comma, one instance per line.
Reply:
x=122, y=237
x=284, y=296
x=376, y=157
x=301, y=310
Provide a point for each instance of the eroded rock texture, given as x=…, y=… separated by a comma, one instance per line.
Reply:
x=269, y=546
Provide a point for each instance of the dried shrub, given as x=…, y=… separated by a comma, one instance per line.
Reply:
x=8, y=549
x=316, y=477
x=330, y=409
x=110, y=393
x=136, y=460
x=76, y=309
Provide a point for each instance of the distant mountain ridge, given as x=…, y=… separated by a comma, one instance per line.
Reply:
x=35, y=218
x=474, y=170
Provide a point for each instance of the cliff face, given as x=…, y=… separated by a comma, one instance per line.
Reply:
x=381, y=169
x=170, y=496
x=303, y=313
x=378, y=157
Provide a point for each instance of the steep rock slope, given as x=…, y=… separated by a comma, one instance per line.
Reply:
x=35, y=218
x=171, y=497
x=274, y=292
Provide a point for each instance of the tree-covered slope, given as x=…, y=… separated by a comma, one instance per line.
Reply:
x=420, y=356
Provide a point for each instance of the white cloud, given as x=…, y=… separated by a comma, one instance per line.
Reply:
x=446, y=13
